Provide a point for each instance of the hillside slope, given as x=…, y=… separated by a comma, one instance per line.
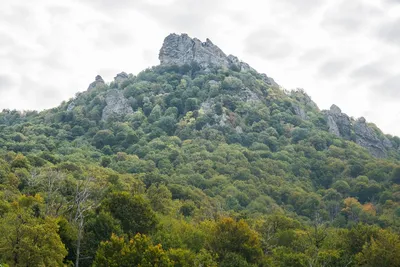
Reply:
x=187, y=146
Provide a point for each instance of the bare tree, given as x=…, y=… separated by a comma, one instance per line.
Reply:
x=52, y=183
x=86, y=199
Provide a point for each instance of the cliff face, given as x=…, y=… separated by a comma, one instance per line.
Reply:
x=338, y=123
x=366, y=137
x=342, y=126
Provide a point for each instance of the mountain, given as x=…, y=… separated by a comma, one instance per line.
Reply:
x=205, y=156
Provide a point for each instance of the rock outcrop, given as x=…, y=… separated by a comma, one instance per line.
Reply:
x=359, y=131
x=120, y=78
x=117, y=105
x=97, y=82
x=181, y=50
x=304, y=103
x=300, y=112
x=367, y=137
x=339, y=123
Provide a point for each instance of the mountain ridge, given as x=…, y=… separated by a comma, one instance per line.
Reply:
x=183, y=50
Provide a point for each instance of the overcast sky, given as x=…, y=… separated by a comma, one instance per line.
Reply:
x=340, y=51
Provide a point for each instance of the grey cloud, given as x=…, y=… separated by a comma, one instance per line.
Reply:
x=350, y=16
x=369, y=71
x=268, y=44
x=37, y=93
x=6, y=82
x=59, y=10
x=54, y=60
x=304, y=5
x=389, y=89
x=19, y=16
x=114, y=35
x=333, y=68
x=313, y=55
x=390, y=32
x=190, y=15
x=110, y=5
x=6, y=41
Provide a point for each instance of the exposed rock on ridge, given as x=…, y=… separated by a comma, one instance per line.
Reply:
x=97, y=82
x=366, y=137
x=341, y=125
x=120, y=78
x=181, y=50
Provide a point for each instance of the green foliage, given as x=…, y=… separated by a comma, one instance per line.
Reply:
x=29, y=240
x=216, y=166
x=134, y=212
x=137, y=252
x=230, y=238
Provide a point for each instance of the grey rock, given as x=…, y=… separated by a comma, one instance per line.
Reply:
x=367, y=138
x=269, y=80
x=97, y=82
x=239, y=129
x=181, y=50
x=386, y=143
x=249, y=96
x=333, y=128
x=304, y=99
x=336, y=110
x=117, y=105
x=339, y=123
x=300, y=112
x=120, y=78
x=71, y=106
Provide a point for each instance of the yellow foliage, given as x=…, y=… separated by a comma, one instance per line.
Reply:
x=369, y=208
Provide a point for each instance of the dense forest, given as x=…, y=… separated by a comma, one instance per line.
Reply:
x=181, y=166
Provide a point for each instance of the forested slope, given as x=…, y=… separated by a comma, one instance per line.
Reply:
x=197, y=165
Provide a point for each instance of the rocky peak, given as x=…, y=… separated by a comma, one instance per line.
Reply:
x=361, y=120
x=339, y=123
x=181, y=49
x=335, y=109
x=97, y=81
x=121, y=77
